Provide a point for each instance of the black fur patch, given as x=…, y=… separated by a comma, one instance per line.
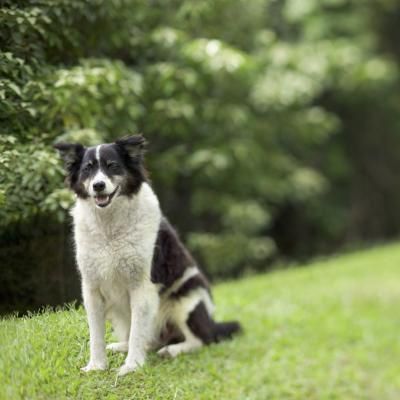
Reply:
x=170, y=335
x=205, y=328
x=72, y=155
x=192, y=283
x=131, y=151
x=89, y=165
x=170, y=258
x=201, y=324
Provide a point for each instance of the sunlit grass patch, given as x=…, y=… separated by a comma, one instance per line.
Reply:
x=328, y=331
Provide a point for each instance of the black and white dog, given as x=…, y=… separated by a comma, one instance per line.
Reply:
x=135, y=271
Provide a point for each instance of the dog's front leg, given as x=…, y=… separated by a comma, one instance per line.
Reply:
x=94, y=306
x=144, y=306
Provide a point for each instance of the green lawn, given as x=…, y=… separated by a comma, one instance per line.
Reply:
x=328, y=331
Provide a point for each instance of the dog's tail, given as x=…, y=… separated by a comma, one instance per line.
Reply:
x=226, y=330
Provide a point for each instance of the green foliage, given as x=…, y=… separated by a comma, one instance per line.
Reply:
x=239, y=101
x=328, y=331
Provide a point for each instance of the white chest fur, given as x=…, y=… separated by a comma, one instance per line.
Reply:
x=117, y=243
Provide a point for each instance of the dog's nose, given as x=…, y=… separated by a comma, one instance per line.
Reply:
x=99, y=186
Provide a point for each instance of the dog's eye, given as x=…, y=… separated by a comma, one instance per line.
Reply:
x=112, y=165
x=87, y=167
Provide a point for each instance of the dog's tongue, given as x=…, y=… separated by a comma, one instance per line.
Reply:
x=101, y=200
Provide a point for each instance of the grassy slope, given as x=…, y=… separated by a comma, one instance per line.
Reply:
x=329, y=331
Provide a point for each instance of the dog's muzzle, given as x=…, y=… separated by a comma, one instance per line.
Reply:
x=103, y=200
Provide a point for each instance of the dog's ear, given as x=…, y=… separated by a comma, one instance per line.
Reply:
x=71, y=153
x=132, y=145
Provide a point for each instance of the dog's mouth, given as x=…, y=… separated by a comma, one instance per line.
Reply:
x=103, y=200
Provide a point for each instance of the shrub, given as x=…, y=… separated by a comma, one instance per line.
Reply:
x=244, y=105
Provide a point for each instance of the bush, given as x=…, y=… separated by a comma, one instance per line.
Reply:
x=247, y=108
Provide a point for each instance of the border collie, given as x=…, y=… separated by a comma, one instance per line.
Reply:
x=135, y=270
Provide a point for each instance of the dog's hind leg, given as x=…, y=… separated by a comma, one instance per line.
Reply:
x=190, y=343
x=198, y=327
x=186, y=310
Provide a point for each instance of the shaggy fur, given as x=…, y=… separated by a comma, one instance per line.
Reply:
x=135, y=270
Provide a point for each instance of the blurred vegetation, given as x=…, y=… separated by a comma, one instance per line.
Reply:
x=272, y=125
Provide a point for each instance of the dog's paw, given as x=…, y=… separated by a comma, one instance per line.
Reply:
x=166, y=352
x=127, y=368
x=121, y=347
x=95, y=366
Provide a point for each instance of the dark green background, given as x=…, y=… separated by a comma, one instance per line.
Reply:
x=273, y=126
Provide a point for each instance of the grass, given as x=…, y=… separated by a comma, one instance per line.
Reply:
x=328, y=331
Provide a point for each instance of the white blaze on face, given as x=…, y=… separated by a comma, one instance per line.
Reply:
x=98, y=153
x=100, y=176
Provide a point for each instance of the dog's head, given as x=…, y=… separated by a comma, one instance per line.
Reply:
x=103, y=172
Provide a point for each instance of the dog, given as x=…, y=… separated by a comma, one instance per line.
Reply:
x=135, y=271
